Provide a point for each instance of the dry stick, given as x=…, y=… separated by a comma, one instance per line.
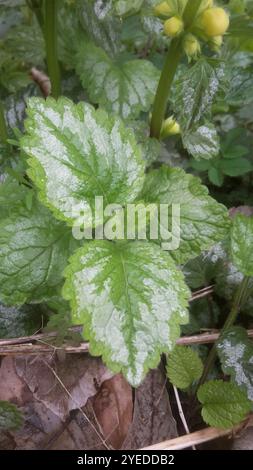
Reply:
x=195, y=438
x=77, y=405
x=30, y=348
x=181, y=413
x=28, y=339
x=78, y=328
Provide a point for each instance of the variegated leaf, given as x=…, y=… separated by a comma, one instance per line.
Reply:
x=131, y=299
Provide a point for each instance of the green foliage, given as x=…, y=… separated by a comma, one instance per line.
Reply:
x=19, y=321
x=223, y=403
x=10, y=417
x=184, y=366
x=34, y=251
x=100, y=24
x=202, y=220
x=241, y=243
x=131, y=298
x=87, y=153
x=98, y=140
x=235, y=351
x=125, y=87
x=194, y=92
x=231, y=160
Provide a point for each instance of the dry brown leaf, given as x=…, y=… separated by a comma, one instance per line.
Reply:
x=113, y=408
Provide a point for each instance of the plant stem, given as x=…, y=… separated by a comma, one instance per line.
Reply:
x=239, y=299
x=169, y=71
x=190, y=11
x=50, y=29
x=164, y=86
x=3, y=127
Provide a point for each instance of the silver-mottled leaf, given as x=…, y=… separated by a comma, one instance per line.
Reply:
x=131, y=299
x=203, y=221
x=242, y=243
x=34, y=249
x=76, y=154
x=101, y=25
x=202, y=142
x=122, y=87
x=235, y=351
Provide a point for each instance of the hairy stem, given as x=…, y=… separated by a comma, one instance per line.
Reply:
x=239, y=299
x=169, y=71
x=3, y=127
x=50, y=30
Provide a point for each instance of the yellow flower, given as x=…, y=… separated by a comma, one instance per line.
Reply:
x=215, y=21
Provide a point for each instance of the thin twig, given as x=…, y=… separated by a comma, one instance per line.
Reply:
x=181, y=413
x=30, y=348
x=195, y=438
x=35, y=337
x=206, y=291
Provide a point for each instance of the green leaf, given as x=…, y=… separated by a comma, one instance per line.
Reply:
x=236, y=151
x=235, y=351
x=241, y=243
x=10, y=417
x=131, y=299
x=76, y=154
x=224, y=404
x=22, y=321
x=195, y=90
x=122, y=87
x=34, y=249
x=236, y=167
x=184, y=367
x=203, y=221
x=201, y=271
x=215, y=176
x=70, y=33
x=100, y=24
x=127, y=7
x=241, y=86
x=13, y=74
x=200, y=165
x=27, y=42
x=202, y=142
x=12, y=195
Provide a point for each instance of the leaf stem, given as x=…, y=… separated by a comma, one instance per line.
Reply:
x=239, y=299
x=3, y=127
x=50, y=29
x=169, y=71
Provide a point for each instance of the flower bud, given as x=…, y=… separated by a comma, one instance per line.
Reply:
x=170, y=127
x=173, y=27
x=191, y=46
x=215, y=21
x=163, y=9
